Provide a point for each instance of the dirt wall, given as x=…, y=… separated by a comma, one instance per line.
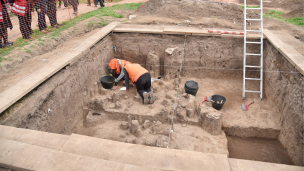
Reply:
x=208, y=56
x=59, y=105
x=286, y=92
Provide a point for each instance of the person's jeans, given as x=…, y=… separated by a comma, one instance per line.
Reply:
x=101, y=2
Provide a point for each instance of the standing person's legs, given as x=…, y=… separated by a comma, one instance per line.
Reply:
x=89, y=2
x=41, y=20
x=74, y=4
x=28, y=21
x=3, y=33
x=65, y=2
x=51, y=4
x=100, y=1
x=23, y=27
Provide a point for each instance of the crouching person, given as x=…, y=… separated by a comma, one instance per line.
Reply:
x=141, y=78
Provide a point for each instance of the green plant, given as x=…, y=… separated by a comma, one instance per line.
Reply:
x=91, y=23
x=28, y=51
x=242, y=6
x=299, y=21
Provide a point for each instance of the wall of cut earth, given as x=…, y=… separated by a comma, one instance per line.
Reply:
x=286, y=91
x=57, y=104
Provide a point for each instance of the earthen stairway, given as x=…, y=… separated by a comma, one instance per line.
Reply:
x=23, y=149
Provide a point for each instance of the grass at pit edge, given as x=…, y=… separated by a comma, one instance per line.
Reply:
x=106, y=11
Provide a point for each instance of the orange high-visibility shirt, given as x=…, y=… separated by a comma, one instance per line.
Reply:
x=135, y=71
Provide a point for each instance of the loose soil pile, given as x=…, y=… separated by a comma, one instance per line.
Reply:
x=189, y=10
x=286, y=4
x=295, y=13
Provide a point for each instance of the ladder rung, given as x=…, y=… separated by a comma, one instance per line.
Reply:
x=253, y=54
x=253, y=8
x=257, y=79
x=254, y=42
x=249, y=91
x=251, y=66
x=253, y=31
x=253, y=19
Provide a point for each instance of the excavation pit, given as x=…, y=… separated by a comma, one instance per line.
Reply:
x=73, y=100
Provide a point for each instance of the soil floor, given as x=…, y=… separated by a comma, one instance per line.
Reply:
x=259, y=114
x=185, y=137
x=257, y=149
x=191, y=137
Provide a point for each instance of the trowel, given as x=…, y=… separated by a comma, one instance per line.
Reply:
x=245, y=107
x=207, y=99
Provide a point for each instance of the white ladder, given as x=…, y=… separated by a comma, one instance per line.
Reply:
x=251, y=55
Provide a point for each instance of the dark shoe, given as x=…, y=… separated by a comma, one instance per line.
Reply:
x=89, y=5
x=30, y=38
x=59, y=6
x=152, y=98
x=95, y=5
x=59, y=24
x=7, y=45
x=55, y=26
x=146, y=98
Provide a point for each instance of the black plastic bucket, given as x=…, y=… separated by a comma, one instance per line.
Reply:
x=218, y=101
x=191, y=87
x=107, y=81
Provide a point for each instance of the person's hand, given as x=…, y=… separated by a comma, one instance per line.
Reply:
x=38, y=10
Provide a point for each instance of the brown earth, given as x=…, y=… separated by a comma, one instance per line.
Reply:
x=257, y=149
x=286, y=4
x=295, y=13
x=69, y=91
x=188, y=10
x=207, y=15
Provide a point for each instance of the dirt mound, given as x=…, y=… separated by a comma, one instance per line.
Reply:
x=189, y=10
x=286, y=4
x=295, y=13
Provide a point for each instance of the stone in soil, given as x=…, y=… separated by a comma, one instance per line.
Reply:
x=162, y=141
x=94, y=119
x=131, y=140
x=160, y=82
x=165, y=103
x=115, y=97
x=134, y=126
x=124, y=125
x=150, y=141
x=159, y=128
x=146, y=124
x=118, y=105
x=212, y=120
x=169, y=96
x=167, y=77
x=130, y=104
x=168, y=86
